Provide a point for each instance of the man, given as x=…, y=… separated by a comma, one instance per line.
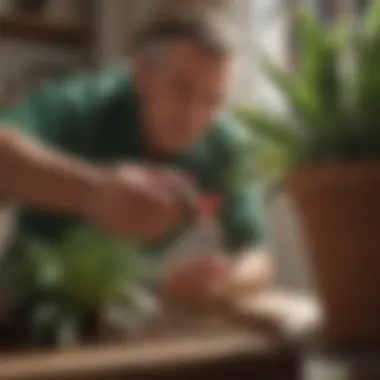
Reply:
x=58, y=150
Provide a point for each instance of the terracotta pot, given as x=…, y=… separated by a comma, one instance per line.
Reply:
x=339, y=207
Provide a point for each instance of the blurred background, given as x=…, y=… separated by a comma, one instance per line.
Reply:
x=40, y=39
x=44, y=38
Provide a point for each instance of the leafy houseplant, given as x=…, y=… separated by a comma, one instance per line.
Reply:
x=326, y=154
x=68, y=292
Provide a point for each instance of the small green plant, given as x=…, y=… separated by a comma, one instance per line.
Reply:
x=68, y=287
x=333, y=98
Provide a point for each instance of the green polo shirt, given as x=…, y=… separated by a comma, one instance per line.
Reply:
x=97, y=118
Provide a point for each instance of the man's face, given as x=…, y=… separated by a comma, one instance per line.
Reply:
x=182, y=95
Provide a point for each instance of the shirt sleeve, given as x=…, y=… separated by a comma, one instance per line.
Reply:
x=47, y=114
x=62, y=113
x=242, y=212
x=241, y=219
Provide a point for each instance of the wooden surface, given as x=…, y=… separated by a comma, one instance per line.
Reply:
x=286, y=315
x=38, y=30
x=149, y=360
x=202, y=347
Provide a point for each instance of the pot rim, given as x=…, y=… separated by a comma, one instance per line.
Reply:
x=340, y=174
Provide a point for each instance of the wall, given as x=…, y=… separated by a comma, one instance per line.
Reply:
x=16, y=56
x=263, y=29
x=117, y=20
x=19, y=56
x=114, y=20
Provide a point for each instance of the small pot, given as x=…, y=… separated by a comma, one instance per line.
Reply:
x=339, y=207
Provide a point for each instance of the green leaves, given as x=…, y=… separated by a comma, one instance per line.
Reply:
x=278, y=146
x=333, y=98
x=268, y=126
x=88, y=268
x=87, y=273
x=371, y=24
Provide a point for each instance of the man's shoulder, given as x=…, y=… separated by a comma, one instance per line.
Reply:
x=225, y=150
x=228, y=138
x=107, y=83
x=109, y=77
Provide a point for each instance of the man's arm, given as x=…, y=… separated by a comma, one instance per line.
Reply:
x=37, y=176
x=53, y=118
x=121, y=200
x=36, y=173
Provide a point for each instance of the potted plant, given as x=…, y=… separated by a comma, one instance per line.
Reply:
x=86, y=290
x=326, y=154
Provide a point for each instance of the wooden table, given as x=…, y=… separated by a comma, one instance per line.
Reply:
x=214, y=347
x=240, y=355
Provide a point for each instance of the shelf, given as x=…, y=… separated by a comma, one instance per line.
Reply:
x=34, y=29
x=8, y=101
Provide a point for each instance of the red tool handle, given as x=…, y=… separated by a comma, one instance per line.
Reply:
x=209, y=204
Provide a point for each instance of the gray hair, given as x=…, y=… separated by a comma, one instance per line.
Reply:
x=210, y=31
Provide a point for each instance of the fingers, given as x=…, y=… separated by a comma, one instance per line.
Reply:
x=252, y=273
x=205, y=283
x=199, y=284
x=181, y=186
x=139, y=202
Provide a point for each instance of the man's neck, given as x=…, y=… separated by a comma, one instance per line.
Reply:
x=154, y=153
x=151, y=149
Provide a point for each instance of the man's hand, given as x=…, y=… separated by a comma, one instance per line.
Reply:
x=128, y=200
x=203, y=283
x=197, y=284
x=252, y=272
x=139, y=202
